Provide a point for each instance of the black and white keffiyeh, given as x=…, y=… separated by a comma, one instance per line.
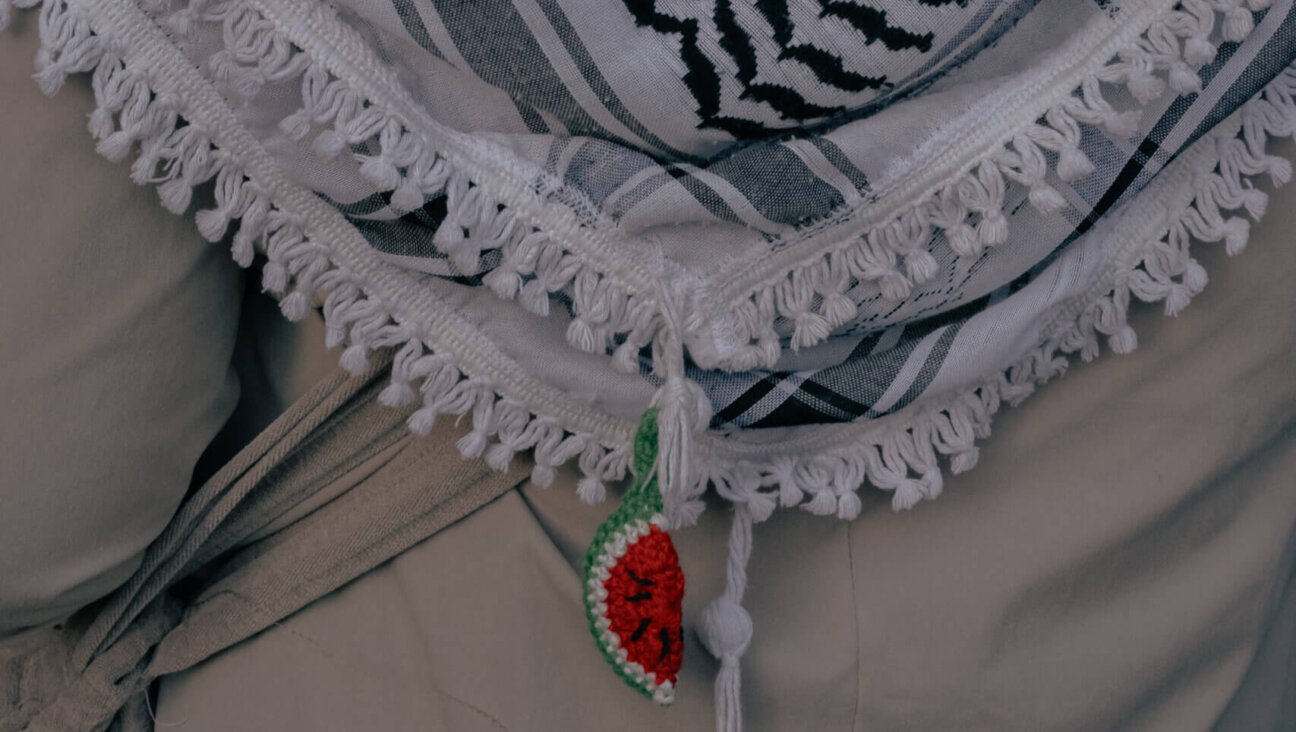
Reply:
x=824, y=238
x=760, y=185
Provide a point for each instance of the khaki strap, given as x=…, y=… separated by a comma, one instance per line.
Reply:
x=334, y=487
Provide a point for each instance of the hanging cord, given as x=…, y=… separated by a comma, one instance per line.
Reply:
x=727, y=628
x=685, y=411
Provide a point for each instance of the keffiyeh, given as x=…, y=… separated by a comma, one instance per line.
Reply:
x=818, y=242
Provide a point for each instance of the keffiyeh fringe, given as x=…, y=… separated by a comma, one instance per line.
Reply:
x=900, y=454
x=490, y=206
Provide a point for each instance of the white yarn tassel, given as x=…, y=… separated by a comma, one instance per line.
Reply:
x=727, y=628
x=684, y=412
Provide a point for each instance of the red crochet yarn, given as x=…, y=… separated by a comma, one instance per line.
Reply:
x=644, y=591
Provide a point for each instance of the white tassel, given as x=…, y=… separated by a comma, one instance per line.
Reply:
x=116, y=146
x=398, y=394
x=498, y=456
x=184, y=23
x=534, y=298
x=591, y=491
x=329, y=144
x=837, y=308
x=1183, y=80
x=378, y=170
x=1198, y=51
x=101, y=123
x=1238, y=24
x=685, y=410
x=473, y=444
x=176, y=195
x=1073, y=164
x=542, y=475
x=296, y=125
x=295, y=305
x=503, y=282
x=920, y=265
x=1236, y=233
x=963, y=240
x=992, y=229
x=894, y=285
x=811, y=328
x=1124, y=340
x=964, y=460
x=212, y=224
x=407, y=197
x=355, y=360
x=1046, y=199
x=580, y=336
x=726, y=628
x=848, y=505
x=422, y=421
x=625, y=359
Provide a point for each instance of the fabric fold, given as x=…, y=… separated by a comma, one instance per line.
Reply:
x=330, y=490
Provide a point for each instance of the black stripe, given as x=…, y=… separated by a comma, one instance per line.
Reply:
x=749, y=398
x=757, y=391
x=929, y=369
x=589, y=69
x=413, y=22
x=834, y=155
x=873, y=24
x=825, y=66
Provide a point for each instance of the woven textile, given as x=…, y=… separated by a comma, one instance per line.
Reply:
x=730, y=176
x=824, y=239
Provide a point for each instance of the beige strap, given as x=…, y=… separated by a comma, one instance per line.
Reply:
x=334, y=487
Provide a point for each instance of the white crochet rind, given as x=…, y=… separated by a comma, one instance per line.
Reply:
x=551, y=239
x=148, y=96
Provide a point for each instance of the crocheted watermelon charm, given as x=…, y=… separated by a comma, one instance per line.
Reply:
x=633, y=583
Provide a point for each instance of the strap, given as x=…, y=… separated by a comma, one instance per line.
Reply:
x=334, y=487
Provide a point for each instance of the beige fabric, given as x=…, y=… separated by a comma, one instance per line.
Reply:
x=117, y=322
x=331, y=489
x=1116, y=561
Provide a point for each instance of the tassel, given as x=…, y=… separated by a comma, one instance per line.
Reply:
x=407, y=196
x=625, y=359
x=355, y=360
x=473, y=444
x=581, y=336
x=591, y=491
x=400, y=393
x=685, y=411
x=727, y=628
